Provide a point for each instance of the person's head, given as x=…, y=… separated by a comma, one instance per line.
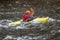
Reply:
x=27, y=12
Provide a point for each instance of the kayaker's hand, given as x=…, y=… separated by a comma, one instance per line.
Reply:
x=21, y=20
x=31, y=15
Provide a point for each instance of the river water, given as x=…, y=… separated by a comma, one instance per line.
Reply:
x=47, y=31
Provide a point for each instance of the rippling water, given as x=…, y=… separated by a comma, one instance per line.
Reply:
x=48, y=31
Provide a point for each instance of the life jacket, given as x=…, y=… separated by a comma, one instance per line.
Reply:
x=27, y=17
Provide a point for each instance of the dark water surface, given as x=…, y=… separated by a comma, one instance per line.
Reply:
x=48, y=31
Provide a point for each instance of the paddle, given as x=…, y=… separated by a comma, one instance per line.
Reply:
x=32, y=10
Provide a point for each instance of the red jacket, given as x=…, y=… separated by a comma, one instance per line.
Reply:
x=25, y=16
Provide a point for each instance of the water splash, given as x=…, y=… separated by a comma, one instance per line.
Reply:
x=53, y=20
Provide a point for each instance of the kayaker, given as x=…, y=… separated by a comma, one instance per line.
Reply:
x=27, y=16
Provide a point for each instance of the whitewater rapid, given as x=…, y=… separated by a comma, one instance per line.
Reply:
x=5, y=23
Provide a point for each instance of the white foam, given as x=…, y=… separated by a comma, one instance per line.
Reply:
x=58, y=30
x=8, y=37
x=19, y=38
x=51, y=20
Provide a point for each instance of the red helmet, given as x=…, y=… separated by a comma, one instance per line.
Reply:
x=27, y=12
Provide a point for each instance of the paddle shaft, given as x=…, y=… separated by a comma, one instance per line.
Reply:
x=32, y=10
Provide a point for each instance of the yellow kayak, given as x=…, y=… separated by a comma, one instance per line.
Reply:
x=40, y=20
